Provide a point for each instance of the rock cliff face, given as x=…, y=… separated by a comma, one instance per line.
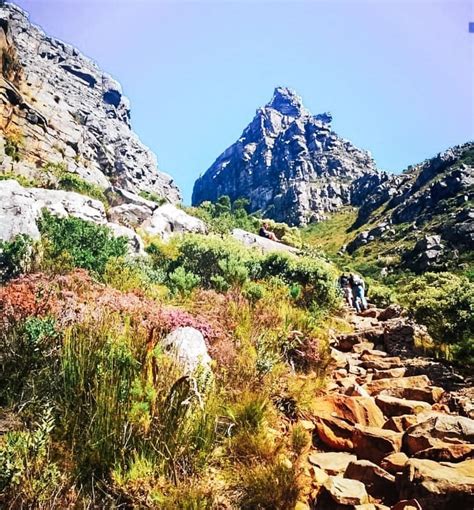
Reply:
x=56, y=105
x=290, y=165
x=433, y=198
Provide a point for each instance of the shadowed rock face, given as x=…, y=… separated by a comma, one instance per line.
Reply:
x=290, y=165
x=60, y=107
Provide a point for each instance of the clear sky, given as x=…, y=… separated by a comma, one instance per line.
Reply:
x=398, y=76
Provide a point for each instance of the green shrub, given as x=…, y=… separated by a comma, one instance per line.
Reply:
x=27, y=474
x=90, y=246
x=30, y=357
x=380, y=295
x=16, y=256
x=182, y=281
x=149, y=195
x=13, y=145
x=220, y=263
x=444, y=302
x=57, y=176
x=314, y=277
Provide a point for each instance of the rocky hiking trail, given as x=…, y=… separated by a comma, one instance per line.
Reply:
x=395, y=429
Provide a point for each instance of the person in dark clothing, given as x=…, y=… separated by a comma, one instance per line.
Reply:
x=265, y=232
x=346, y=287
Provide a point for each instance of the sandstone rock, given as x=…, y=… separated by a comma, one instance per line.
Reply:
x=393, y=406
x=374, y=444
x=389, y=385
x=131, y=215
x=394, y=463
x=447, y=428
x=261, y=243
x=391, y=312
x=447, y=452
x=407, y=504
x=290, y=165
x=391, y=373
x=21, y=208
x=189, y=347
x=438, y=486
x=430, y=394
x=355, y=410
x=377, y=362
x=379, y=483
x=401, y=423
x=363, y=347
x=346, y=492
x=333, y=463
x=167, y=220
x=77, y=116
x=334, y=432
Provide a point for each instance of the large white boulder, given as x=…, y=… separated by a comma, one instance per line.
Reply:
x=169, y=219
x=189, y=348
x=262, y=243
x=21, y=208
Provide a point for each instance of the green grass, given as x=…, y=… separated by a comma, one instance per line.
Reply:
x=332, y=234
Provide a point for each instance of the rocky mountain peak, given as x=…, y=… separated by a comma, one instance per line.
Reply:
x=287, y=102
x=290, y=165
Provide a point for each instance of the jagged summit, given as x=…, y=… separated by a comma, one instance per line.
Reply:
x=289, y=164
x=287, y=102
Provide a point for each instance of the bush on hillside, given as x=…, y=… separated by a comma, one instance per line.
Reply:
x=313, y=275
x=219, y=263
x=15, y=256
x=444, y=302
x=88, y=245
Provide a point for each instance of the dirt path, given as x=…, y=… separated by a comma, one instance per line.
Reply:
x=395, y=429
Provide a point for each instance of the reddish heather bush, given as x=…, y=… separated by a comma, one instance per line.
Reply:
x=76, y=296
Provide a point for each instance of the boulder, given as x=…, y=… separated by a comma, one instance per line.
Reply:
x=261, y=243
x=407, y=504
x=168, y=219
x=391, y=312
x=437, y=430
x=379, y=483
x=401, y=423
x=334, y=432
x=447, y=452
x=393, y=406
x=333, y=463
x=345, y=491
x=189, y=347
x=131, y=215
x=429, y=394
x=391, y=373
x=374, y=444
x=354, y=410
x=390, y=385
x=394, y=463
x=377, y=362
x=438, y=485
x=441, y=435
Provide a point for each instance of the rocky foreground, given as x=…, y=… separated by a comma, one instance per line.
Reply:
x=394, y=430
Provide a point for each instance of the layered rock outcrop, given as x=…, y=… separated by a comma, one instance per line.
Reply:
x=430, y=204
x=290, y=165
x=57, y=106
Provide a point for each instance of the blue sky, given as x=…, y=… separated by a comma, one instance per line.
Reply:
x=398, y=76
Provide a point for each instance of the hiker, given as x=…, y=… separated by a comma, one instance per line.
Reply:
x=346, y=287
x=358, y=291
x=265, y=232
